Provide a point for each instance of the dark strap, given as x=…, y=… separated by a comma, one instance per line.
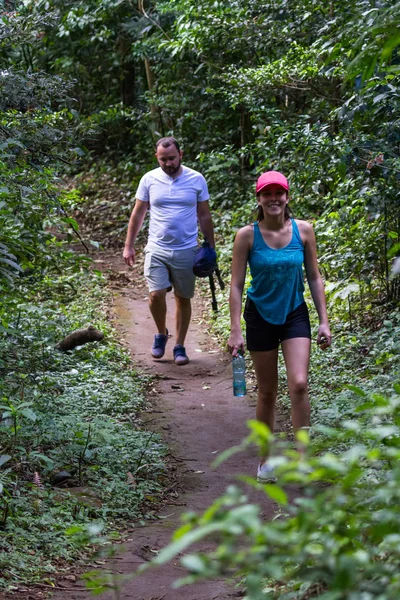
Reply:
x=212, y=288
x=218, y=274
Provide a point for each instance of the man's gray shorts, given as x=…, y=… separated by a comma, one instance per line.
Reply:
x=164, y=269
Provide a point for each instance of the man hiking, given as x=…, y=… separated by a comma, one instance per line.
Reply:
x=177, y=197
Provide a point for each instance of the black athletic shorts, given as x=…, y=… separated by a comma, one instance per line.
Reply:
x=262, y=336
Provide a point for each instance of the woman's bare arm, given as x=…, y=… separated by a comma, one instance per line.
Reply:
x=315, y=282
x=241, y=249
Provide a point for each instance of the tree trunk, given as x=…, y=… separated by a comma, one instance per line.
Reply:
x=154, y=111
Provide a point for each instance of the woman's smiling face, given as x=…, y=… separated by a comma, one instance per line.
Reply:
x=273, y=199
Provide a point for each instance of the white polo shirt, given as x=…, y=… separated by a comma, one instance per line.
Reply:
x=173, y=206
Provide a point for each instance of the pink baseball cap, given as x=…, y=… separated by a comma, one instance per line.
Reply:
x=269, y=178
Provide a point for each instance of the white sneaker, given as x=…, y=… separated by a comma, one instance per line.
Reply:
x=266, y=474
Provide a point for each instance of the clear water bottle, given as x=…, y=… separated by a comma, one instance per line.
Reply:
x=239, y=375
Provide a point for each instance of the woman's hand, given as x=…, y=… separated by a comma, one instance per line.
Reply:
x=324, y=337
x=236, y=343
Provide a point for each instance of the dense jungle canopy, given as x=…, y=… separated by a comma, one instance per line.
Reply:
x=306, y=87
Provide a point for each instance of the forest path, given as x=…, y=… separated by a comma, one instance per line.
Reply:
x=194, y=410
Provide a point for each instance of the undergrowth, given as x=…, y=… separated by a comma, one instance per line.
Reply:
x=71, y=415
x=335, y=533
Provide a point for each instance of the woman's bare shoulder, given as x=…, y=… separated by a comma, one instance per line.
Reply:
x=304, y=226
x=306, y=231
x=247, y=230
x=245, y=235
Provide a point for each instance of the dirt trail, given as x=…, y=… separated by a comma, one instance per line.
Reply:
x=198, y=417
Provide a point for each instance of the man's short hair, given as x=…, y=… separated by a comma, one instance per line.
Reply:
x=165, y=142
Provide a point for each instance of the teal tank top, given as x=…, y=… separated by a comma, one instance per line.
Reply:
x=277, y=276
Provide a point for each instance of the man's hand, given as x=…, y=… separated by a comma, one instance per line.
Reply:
x=129, y=256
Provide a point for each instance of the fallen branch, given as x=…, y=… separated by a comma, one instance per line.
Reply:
x=58, y=587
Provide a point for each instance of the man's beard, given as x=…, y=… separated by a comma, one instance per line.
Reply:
x=172, y=170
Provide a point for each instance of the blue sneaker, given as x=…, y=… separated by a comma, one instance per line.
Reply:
x=158, y=348
x=180, y=356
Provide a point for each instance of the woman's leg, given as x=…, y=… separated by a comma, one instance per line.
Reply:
x=296, y=352
x=266, y=369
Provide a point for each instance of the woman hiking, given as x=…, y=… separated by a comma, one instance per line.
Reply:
x=276, y=247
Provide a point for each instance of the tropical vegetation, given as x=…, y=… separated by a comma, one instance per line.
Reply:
x=306, y=87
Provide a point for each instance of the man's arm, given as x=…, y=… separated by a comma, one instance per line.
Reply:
x=205, y=221
x=135, y=225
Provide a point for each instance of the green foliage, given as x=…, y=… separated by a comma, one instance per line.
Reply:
x=309, y=88
x=37, y=128
x=74, y=412
x=378, y=43
x=248, y=87
x=278, y=86
x=8, y=260
x=339, y=538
